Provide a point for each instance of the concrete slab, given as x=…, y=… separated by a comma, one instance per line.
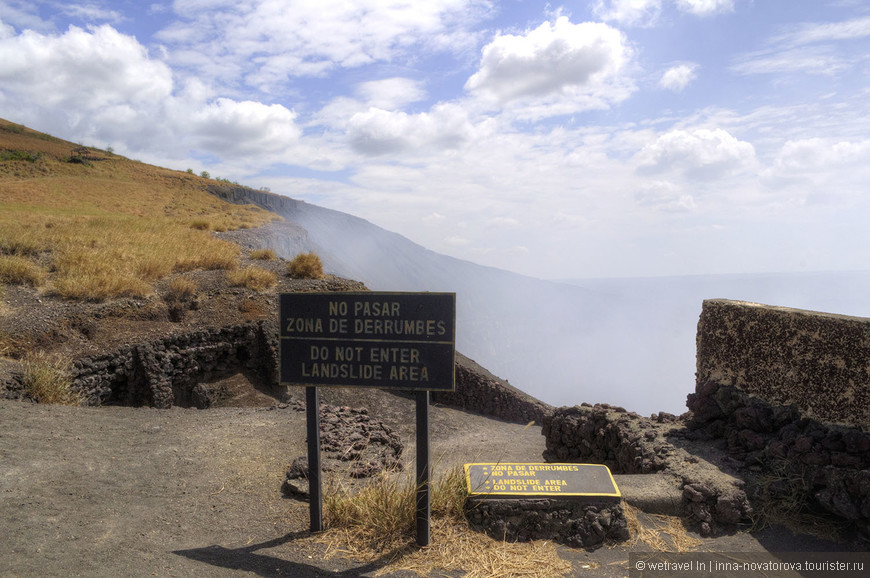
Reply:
x=652, y=493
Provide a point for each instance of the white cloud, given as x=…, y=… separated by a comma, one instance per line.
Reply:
x=564, y=65
x=433, y=219
x=706, y=7
x=264, y=43
x=377, y=131
x=90, y=12
x=665, y=196
x=390, y=93
x=814, y=153
x=22, y=15
x=701, y=153
x=228, y=127
x=81, y=70
x=101, y=86
x=810, y=59
x=6, y=31
x=818, y=162
x=824, y=32
x=628, y=12
x=509, y=222
x=647, y=12
x=815, y=48
x=678, y=77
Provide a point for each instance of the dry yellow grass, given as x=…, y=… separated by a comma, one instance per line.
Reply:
x=305, y=266
x=47, y=379
x=263, y=254
x=665, y=534
x=378, y=521
x=112, y=226
x=253, y=278
x=15, y=270
x=182, y=289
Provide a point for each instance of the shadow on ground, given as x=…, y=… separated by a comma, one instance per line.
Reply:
x=247, y=559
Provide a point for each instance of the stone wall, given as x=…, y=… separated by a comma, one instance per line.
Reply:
x=575, y=523
x=175, y=371
x=792, y=459
x=171, y=371
x=788, y=394
x=479, y=391
x=630, y=444
x=816, y=362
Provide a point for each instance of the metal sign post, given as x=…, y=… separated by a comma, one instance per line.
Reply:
x=370, y=339
x=312, y=422
x=424, y=504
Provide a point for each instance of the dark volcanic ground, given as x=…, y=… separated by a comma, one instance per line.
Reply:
x=183, y=492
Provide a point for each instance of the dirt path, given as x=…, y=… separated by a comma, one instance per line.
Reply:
x=125, y=491
x=139, y=492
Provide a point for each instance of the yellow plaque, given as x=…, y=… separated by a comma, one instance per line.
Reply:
x=541, y=480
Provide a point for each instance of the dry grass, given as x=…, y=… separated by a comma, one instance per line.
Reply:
x=200, y=225
x=15, y=270
x=263, y=254
x=46, y=379
x=784, y=500
x=253, y=278
x=181, y=289
x=305, y=266
x=110, y=227
x=378, y=522
x=13, y=346
x=666, y=533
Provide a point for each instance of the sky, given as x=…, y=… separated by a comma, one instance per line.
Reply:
x=578, y=140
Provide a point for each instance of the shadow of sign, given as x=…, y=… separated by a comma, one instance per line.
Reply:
x=247, y=559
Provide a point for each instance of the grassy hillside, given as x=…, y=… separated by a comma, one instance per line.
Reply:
x=83, y=223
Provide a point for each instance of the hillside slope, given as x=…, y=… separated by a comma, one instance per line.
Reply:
x=104, y=259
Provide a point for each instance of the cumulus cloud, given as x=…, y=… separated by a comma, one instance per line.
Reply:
x=99, y=84
x=6, y=31
x=244, y=127
x=678, y=77
x=559, y=60
x=819, y=171
x=81, y=69
x=820, y=159
x=702, y=153
x=377, y=131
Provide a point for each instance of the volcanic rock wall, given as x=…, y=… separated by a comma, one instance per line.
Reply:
x=171, y=371
x=788, y=392
x=176, y=371
x=816, y=362
x=630, y=444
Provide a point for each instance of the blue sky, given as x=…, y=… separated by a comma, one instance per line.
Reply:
x=585, y=139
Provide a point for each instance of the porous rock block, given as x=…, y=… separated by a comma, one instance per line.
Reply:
x=816, y=362
x=579, y=524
